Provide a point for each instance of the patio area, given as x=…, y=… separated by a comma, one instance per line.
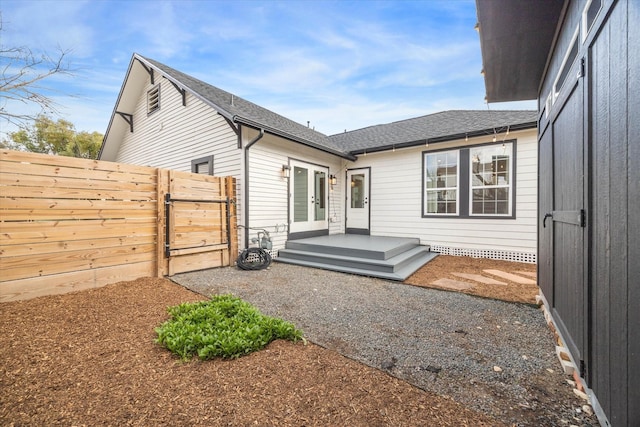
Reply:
x=392, y=258
x=492, y=356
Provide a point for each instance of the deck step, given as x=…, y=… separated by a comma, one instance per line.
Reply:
x=388, y=258
x=372, y=247
x=398, y=274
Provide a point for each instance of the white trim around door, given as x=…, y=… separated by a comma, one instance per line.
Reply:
x=358, y=193
x=308, y=197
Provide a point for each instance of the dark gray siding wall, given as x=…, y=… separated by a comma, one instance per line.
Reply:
x=633, y=212
x=611, y=128
x=615, y=277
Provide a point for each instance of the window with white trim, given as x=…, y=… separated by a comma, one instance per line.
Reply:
x=568, y=60
x=441, y=183
x=491, y=179
x=589, y=15
x=153, y=99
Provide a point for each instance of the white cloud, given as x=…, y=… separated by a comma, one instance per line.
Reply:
x=45, y=26
x=337, y=64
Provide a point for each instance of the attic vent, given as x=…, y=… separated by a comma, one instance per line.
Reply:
x=153, y=99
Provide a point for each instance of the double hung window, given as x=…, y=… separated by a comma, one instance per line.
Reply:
x=441, y=183
x=490, y=180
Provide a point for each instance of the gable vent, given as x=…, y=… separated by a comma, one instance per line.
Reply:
x=153, y=99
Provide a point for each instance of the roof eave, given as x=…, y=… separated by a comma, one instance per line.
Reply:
x=220, y=109
x=515, y=51
x=445, y=138
x=293, y=138
x=115, y=107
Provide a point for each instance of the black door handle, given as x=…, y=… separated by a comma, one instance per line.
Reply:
x=544, y=221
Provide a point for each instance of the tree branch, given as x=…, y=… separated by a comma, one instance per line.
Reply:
x=21, y=77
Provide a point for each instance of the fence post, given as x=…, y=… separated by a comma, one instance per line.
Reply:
x=162, y=183
x=230, y=183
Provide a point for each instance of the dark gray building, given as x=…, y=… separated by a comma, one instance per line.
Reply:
x=581, y=61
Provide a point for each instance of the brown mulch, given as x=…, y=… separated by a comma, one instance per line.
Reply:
x=444, y=265
x=88, y=358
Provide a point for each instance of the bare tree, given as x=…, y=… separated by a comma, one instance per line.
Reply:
x=21, y=81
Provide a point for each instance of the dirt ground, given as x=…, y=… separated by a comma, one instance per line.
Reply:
x=444, y=266
x=89, y=358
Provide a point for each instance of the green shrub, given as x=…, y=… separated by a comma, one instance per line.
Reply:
x=224, y=326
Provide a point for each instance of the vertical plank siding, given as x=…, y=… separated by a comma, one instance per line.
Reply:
x=633, y=210
x=618, y=194
x=68, y=224
x=611, y=144
x=615, y=192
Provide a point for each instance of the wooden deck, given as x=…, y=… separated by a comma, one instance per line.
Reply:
x=393, y=258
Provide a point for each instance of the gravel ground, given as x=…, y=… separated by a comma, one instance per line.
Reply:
x=493, y=356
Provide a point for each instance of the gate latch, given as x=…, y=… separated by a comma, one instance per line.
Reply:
x=544, y=221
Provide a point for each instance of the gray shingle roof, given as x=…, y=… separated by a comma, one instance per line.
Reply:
x=240, y=110
x=446, y=125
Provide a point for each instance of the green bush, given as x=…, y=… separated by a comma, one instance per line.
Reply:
x=224, y=326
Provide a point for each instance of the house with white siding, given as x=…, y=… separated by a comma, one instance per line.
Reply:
x=462, y=182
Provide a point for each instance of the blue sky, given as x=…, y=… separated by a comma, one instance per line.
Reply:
x=338, y=64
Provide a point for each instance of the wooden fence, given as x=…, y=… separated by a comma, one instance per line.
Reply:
x=68, y=224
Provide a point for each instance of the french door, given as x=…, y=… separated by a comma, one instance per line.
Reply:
x=309, y=197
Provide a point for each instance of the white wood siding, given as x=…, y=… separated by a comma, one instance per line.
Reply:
x=175, y=135
x=396, y=201
x=268, y=190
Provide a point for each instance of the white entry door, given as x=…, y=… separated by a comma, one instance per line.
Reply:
x=309, y=197
x=358, y=200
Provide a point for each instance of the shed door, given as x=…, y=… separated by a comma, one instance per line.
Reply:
x=561, y=208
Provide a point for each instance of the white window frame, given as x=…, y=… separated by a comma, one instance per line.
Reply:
x=427, y=190
x=508, y=149
x=574, y=40
x=583, y=21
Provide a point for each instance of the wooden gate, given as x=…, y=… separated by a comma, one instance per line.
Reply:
x=199, y=223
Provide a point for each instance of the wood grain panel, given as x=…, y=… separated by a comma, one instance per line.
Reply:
x=69, y=224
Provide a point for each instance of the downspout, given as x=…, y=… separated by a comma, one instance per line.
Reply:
x=246, y=185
